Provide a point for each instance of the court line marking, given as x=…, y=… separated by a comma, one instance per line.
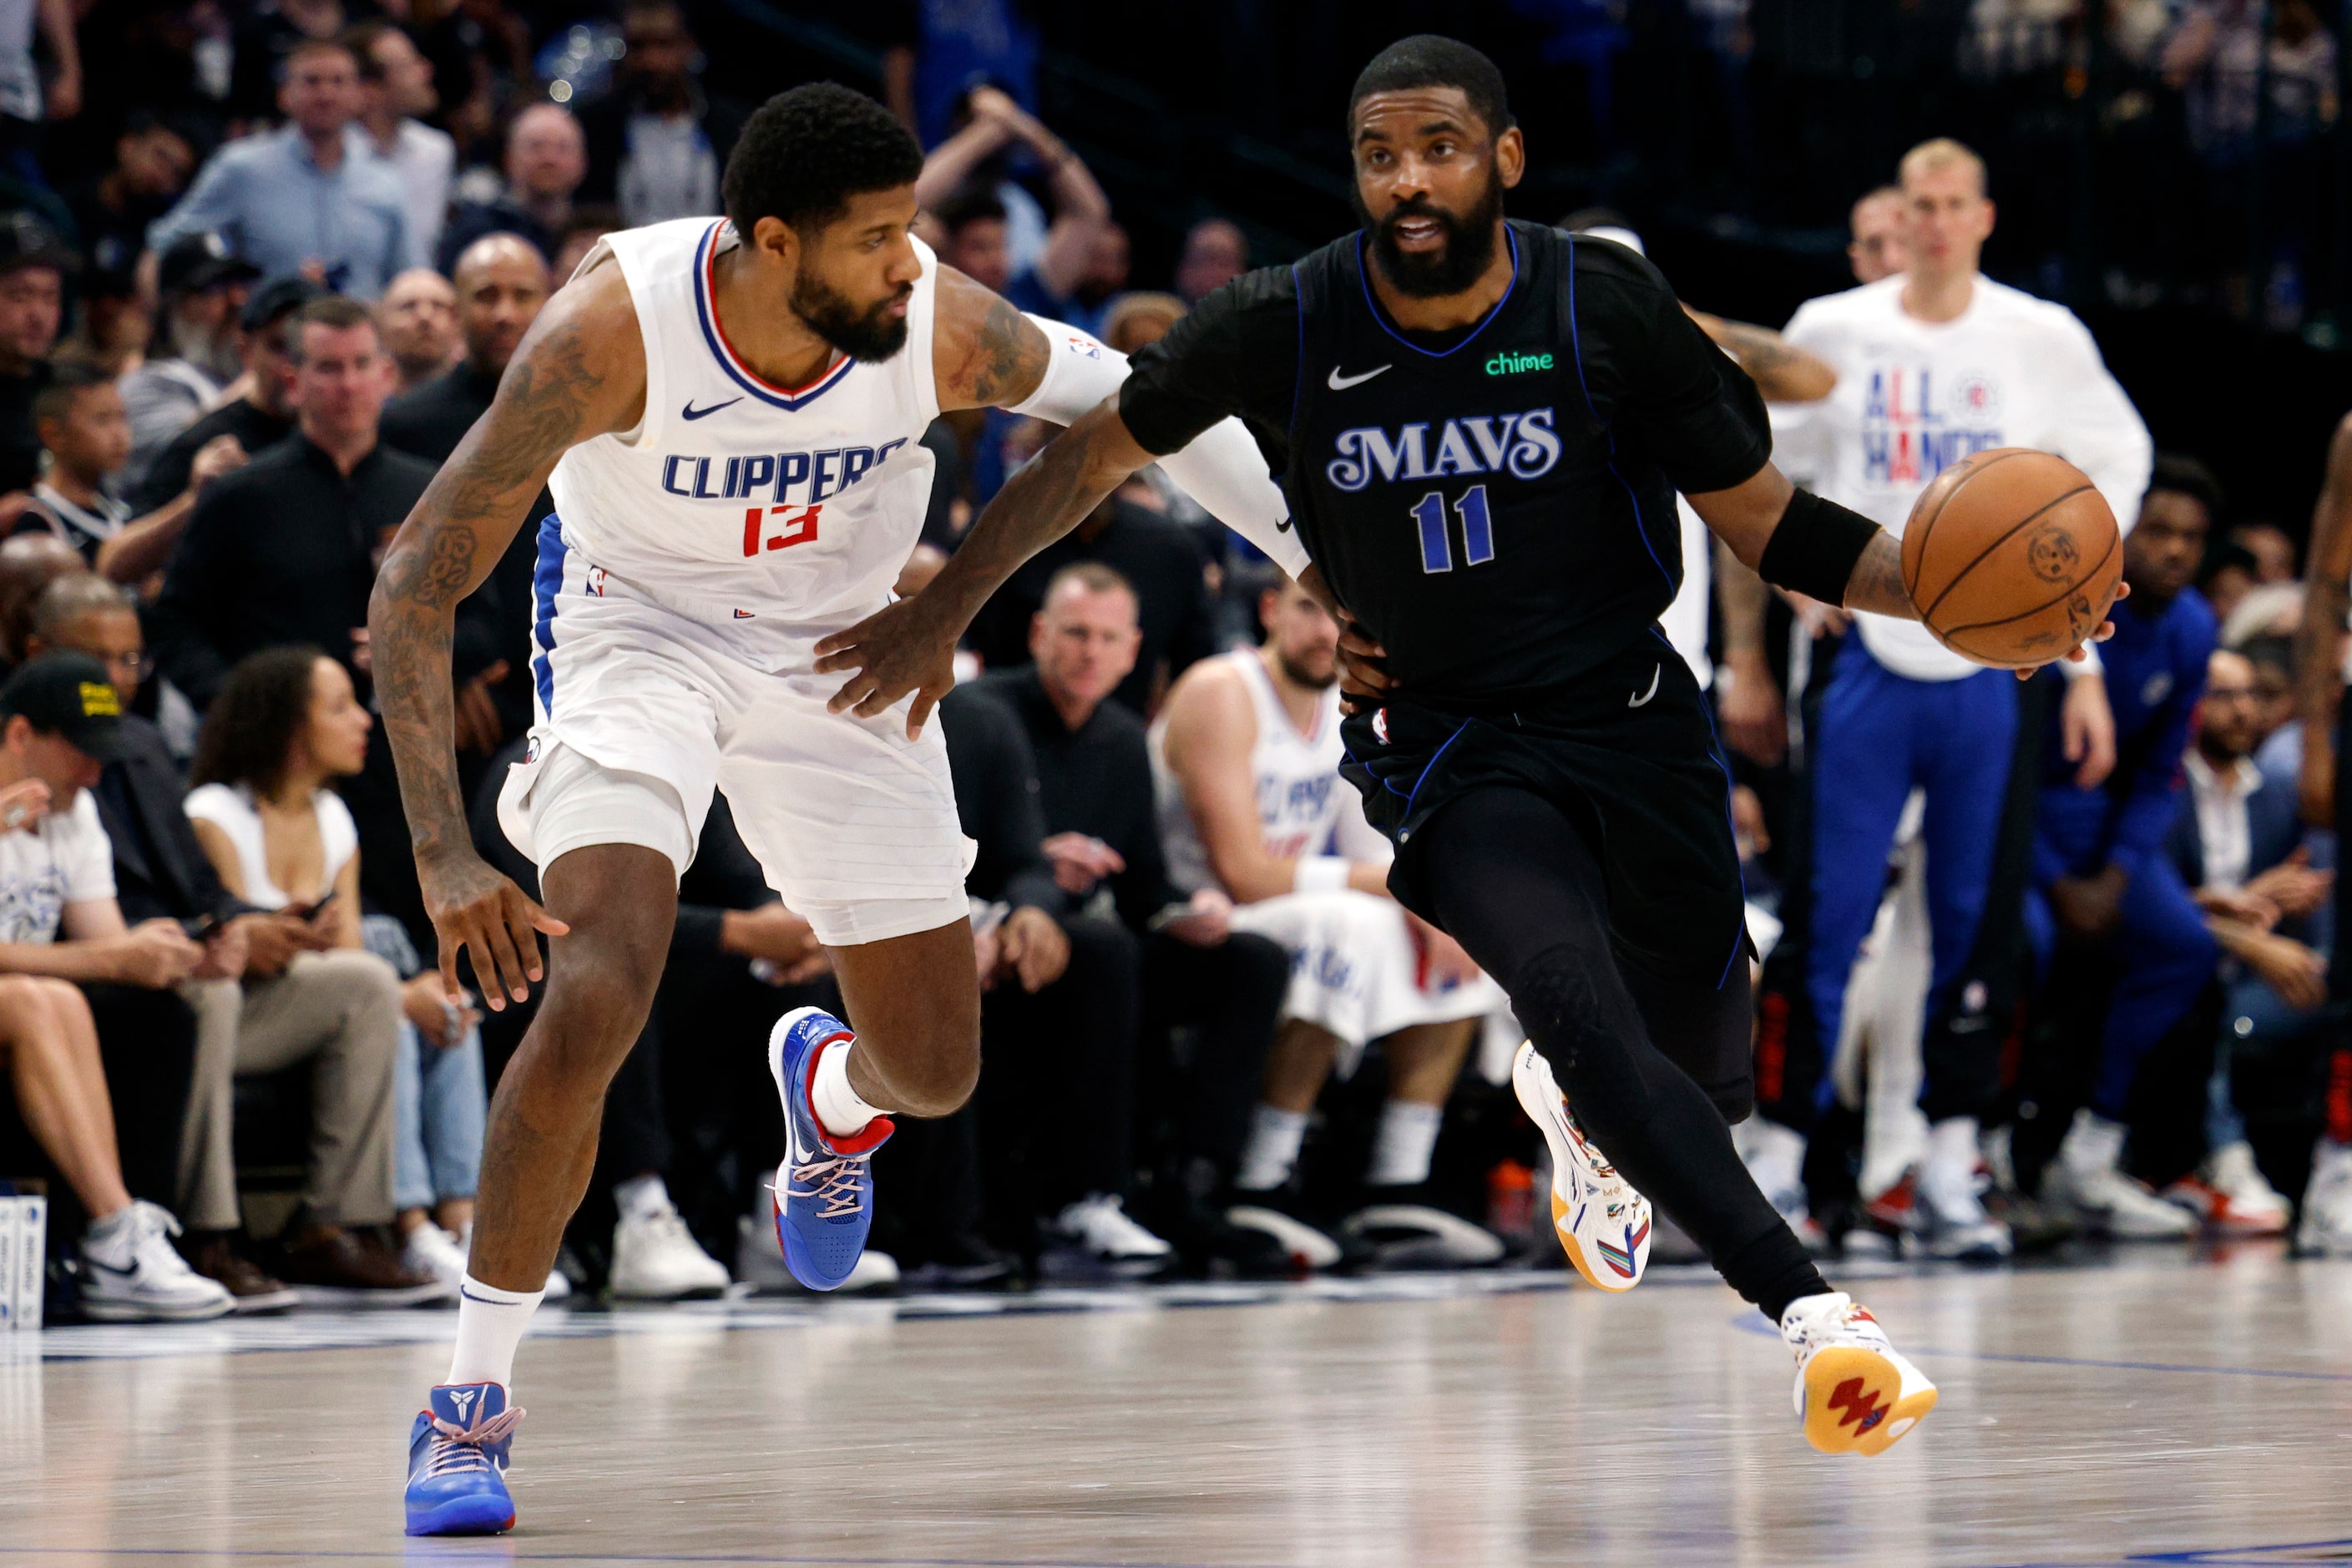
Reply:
x=2212, y=1557
x=494, y=1548
x=1742, y=1322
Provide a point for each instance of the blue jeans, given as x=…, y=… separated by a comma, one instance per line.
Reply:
x=442, y=1104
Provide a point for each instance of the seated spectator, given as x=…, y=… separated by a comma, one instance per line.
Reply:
x=2278, y=738
x=2226, y=578
x=285, y=724
x=2237, y=841
x=283, y=549
x=63, y=941
x=32, y=265
x=1134, y=321
x=1160, y=561
x=255, y=415
x=2100, y=873
x=309, y=198
x=501, y=285
x=657, y=142
x=1215, y=253
x=417, y=318
x=581, y=236
x=29, y=563
x=2274, y=553
x=80, y=421
x=1252, y=803
x=113, y=326
x=546, y=159
x=395, y=91
x=973, y=161
x=202, y=288
x=153, y=160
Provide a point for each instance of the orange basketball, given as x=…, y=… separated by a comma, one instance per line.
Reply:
x=2012, y=557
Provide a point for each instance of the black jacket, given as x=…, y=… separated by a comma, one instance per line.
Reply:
x=998, y=801
x=161, y=872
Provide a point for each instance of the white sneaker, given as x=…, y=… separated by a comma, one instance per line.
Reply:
x=1948, y=1210
x=1098, y=1226
x=2327, y=1226
x=2228, y=1193
x=429, y=1250
x=134, y=1275
x=557, y=1288
x=657, y=1258
x=1308, y=1247
x=1855, y=1394
x=1603, y=1223
x=759, y=1262
x=2088, y=1175
x=1420, y=1236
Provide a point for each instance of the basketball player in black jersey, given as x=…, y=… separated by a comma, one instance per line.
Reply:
x=1484, y=424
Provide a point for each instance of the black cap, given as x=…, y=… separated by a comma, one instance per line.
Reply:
x=69, y=694
x=279, y=296
x=27, y=241
x=196, y=262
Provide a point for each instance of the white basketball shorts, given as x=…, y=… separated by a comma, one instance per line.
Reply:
x=1354, y=970
x=642, y=713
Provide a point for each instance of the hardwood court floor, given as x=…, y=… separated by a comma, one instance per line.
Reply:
x=2145, y=1410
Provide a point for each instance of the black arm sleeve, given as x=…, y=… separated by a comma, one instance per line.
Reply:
x=1236, y=352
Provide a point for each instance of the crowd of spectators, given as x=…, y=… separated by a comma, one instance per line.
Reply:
x=231, y=359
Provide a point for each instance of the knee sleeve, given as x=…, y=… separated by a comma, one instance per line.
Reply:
x=1579, y=1016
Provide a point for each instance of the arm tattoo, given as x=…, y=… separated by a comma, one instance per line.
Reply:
x=1007, y=361
x=1877, y=584
x=458, y=529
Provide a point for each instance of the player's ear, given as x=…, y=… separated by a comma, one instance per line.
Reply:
x=1511, y=157
x=778, y=241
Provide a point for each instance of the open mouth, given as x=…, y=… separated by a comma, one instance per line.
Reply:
x=1418, y=233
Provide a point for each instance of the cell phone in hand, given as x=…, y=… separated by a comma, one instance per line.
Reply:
x=312, y=911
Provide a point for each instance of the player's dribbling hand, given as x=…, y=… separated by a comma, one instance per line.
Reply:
x=896, y=650
x=2081, y=651
x=472, y=906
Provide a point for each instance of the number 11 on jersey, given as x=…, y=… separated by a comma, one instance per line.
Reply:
x=1437, y=546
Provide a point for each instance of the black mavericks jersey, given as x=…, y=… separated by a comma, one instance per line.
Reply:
x=1496, y=505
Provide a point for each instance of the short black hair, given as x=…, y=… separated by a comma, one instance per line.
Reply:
x=2186, y=475
x=336, y=312
x=973, y=203
x=1426, y=60
x=248, y=732
x=69, y=380
x=803, y=153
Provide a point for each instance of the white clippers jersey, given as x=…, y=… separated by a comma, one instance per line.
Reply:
x=1914, y=397
x=781, y=513
x=1300, y=795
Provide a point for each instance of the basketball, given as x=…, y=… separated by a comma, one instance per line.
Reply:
x=2012, y=556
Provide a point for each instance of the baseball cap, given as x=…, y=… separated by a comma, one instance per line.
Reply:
x=279, y=296
x=27, y=241
x=69, y=694
x=194, y=262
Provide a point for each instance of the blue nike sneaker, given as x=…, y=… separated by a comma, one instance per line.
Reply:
x=825, y=1188
x=457, y=1459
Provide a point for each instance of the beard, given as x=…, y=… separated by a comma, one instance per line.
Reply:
x=871, y=335
x=1299, y=674
x=1469, y=245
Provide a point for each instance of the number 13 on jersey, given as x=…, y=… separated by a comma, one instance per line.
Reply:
x=797, y=525
x=1436, y=544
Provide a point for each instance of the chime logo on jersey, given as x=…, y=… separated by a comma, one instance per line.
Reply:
x=1524, y=446
x=1914, y=428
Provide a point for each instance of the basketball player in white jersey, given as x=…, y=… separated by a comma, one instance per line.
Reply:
x=1247, y=758
x=729, y=415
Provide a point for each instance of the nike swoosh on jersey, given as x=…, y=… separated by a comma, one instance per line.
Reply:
x=1339, y=382
x=692, y=412
x=1644, y=699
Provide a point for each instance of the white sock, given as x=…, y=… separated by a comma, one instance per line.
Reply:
x=1953, y=1141
x=1274, y=1140
x=837, y=1105
x=641, y=1196
x=112, y=1232
x=491, y=1323
x=1401, y=1151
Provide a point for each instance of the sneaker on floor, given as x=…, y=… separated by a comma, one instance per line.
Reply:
x=457, y=1454
x=2088, y=1175
x=1603, y=1223
x=331, y=1266
x=254, y=1292
x=130, y=1273
x=1204, y=1238
x=760, y=1263
x=825, y=1188
x=657, y=1258
x=1405, y=1230
x=959, y=1262
x=428, y=1250
x=2326, y=1227
x=1855, y=1393
x=1948, y=1214
x=1309, y=1247
x=2228, y=1193
x=1099, y=1225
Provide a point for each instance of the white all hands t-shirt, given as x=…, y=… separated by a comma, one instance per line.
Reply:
x=64, y=858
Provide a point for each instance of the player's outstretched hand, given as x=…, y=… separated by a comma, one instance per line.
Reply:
x=2078, y=652
x=472, y=906
x=897, y=649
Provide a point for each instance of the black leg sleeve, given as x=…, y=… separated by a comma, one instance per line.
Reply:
x=1515, y=883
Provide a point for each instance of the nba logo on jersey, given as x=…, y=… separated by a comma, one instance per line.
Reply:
x=1381, y=726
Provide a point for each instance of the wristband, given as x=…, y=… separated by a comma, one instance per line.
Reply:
x=1814, y=549
x=1320, y=874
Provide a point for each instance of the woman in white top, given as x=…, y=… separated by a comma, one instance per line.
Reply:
x=284, y=726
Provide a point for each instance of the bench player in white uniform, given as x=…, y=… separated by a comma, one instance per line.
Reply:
x=1247, y=758
x=729, y=416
